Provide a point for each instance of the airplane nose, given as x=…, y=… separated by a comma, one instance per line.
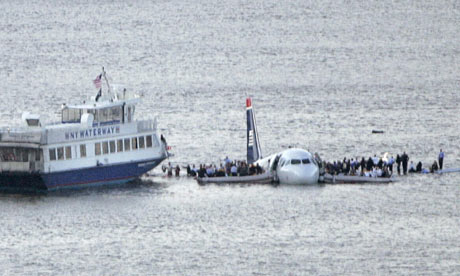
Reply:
x=307, y=176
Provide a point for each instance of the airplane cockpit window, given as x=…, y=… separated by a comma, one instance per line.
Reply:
x=305, y=161
x=295, y=161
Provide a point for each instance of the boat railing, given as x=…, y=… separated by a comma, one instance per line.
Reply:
x=21, y=135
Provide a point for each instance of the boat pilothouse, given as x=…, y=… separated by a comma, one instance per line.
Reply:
x=97, y=142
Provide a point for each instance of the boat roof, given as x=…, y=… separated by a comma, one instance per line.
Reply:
x=102, y=104
x=116, y=96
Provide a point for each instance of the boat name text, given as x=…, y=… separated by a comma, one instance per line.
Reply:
x=93, y=132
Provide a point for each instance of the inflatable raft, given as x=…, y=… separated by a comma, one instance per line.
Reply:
x=356, y=179
x=264, y=178
x=451, y=170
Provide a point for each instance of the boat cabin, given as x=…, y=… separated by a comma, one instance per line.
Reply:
x=111, y=109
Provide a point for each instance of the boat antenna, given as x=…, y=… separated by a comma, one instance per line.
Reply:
x=106, y=80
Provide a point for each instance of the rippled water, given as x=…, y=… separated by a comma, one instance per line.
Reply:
x=323, y=74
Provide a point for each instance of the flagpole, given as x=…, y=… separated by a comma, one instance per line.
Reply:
x=106, y=81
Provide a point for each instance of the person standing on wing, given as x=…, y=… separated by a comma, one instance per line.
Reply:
x=405, y=160
x=398, y=161
x=440, y=158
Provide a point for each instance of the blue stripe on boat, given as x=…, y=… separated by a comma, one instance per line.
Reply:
x=101, y=175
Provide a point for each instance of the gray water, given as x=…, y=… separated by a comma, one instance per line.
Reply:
x=322, y=74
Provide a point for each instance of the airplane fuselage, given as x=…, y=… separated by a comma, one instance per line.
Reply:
x=292, y=166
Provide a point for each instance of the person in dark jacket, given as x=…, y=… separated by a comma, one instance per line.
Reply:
x=398, y=161
x=363, y=164
x=348, y=167
x=419, y=167
x=380, y=163
x=370, y=164
x=434, y=167
x=405, y=161
x=201, y=171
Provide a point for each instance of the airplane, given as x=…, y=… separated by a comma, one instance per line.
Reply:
x=291, y=166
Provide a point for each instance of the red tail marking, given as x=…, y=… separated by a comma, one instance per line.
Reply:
x=248, y=102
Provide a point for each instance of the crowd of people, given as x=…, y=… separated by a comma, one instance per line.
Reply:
x=373, y=167
x=379, y=167
x=228, y=168
x=437, y=165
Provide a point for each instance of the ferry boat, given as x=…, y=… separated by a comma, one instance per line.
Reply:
x=97, y=142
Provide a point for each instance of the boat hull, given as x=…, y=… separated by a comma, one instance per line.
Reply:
x=80, y=178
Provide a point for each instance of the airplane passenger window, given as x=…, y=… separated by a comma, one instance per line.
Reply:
x=305, y=161
x=295, y=161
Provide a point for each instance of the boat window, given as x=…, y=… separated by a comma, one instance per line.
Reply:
x=70, y=111
x=112, y=146
x=149, y=141
x=305, y=161
x=127, y=144
x=97, y=148
x=52, y=154
x=116, y=113
x=105, y=147
x=120, y=145
x=60, y=153
x=105, y=115
x=295, y=161
x=7, y=154
x=38, y=155
x=71, y=115
x=68, y=152
x=65, y=115
x=24, y=153
x=129, y=114
x=134, y=142
x=141, y=142
x=83, y=150
x=155, y=141
x=33, y=122
x=92, y=111
x=76, y=114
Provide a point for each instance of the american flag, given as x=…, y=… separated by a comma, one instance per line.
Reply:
x=98, y=82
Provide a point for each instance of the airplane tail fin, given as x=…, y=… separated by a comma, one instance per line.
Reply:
x=253, y=146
